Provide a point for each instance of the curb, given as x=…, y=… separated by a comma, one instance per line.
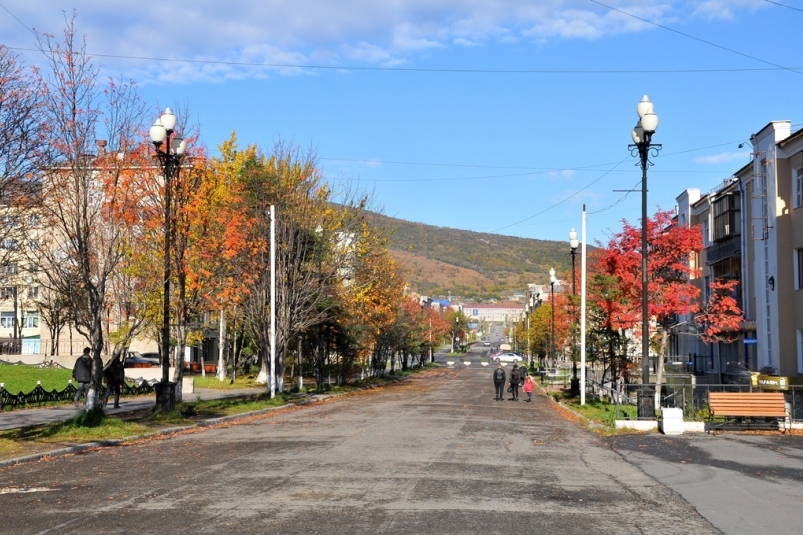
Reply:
x=591, y=424
x=210, y=422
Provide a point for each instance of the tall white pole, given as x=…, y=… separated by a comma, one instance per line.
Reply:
x=272, y=301
x=583, y=312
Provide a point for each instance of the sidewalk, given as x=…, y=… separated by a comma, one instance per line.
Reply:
x=38, y=416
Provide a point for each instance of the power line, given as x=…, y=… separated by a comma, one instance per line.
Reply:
x=689, y=36
x=523, y=168
x=784, y=5
x=312, y=66
x=555, y=205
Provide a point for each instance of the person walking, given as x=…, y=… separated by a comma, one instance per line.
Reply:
x=82, y=373
x=514, y=382
x=499, y=382
x=529, y=384
x=114, y=375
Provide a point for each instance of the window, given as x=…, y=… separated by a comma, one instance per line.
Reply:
x=799, y=269
x=33, y=292
x=31, y=320
x=799, y=351
x=706, y=233
x=7, y=292
x=798, y=178
x=10, y=268
x=727, y=217
x=7, y=320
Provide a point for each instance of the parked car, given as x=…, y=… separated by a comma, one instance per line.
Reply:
x=141, y=360
x=486, y=343
x=507, y=356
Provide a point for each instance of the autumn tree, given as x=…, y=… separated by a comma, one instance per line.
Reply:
x=23, y=148
x=94, y=149
x=670, y=292
x=719, y=319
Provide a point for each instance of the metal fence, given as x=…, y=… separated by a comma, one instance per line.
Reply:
x=691, y=398
x=39, y=395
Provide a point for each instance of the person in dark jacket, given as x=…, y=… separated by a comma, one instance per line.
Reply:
x=514, y=382
x=499, y=382
x=114, y=375
x=82, y=373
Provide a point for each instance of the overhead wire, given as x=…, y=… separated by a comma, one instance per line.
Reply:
x=695, y=38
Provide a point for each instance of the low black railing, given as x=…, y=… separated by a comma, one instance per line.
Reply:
x=39, y=395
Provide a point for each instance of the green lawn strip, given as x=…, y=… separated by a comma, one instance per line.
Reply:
x=18, y=378
x=597, y=411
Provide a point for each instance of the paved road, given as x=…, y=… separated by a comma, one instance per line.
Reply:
x=433, y=454
x=741, y=483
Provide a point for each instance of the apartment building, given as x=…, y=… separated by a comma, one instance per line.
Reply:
x=772, y=212
x=752, y=226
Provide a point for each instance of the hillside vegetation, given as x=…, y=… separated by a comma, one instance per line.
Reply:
x=441, y=261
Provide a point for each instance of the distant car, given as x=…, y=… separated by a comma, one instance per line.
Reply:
x=486, y=343
x=141, y=360
x=507, y=356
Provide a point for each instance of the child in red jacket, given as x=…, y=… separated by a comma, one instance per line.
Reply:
x=528, y=387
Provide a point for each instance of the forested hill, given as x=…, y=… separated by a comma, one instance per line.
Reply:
x=440, y=260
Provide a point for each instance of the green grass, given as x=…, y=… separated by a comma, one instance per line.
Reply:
x=85, y=427
x=211, y=381
x=20, y=378
x=597, y=411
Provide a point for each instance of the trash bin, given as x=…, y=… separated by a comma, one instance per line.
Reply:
x=671, y=421
x=645, y=399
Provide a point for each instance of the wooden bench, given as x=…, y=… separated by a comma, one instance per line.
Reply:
x=745, y=407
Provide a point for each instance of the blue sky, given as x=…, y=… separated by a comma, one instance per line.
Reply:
x=487, y=115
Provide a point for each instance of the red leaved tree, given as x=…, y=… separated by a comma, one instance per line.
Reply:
x=670, y=292
x=720, y=317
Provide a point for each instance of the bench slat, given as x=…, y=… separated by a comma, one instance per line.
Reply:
x=767, y=404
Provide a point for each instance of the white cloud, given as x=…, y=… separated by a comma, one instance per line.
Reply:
x=335, y=33
x=564, y=175
x=723, y=157
x=726, y=9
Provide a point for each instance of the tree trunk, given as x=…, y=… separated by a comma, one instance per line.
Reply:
x=221, y=359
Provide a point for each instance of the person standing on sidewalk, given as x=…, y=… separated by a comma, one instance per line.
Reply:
x=514, y=382
x=499, y=382
x=82, y=373
x=114, y=375
x=528, y=387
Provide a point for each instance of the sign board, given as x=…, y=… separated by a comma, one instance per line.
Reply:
x=750, y=340
x=772, y=382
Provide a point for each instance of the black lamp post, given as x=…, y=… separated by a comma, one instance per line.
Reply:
x=573, y=243
x=169, y=152
x=552, y=281
x=643, y=147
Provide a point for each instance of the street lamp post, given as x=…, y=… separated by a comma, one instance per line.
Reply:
x=169, y=151
x=552, y=281
x=643, y=147
x=573, y=244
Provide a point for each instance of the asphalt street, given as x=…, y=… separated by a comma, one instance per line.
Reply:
x=432, y=454
x=741, y=483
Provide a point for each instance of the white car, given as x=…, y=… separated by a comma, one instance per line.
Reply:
x=508, y=356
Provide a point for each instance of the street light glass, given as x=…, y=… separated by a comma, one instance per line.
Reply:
x=168, y=120
x=157, y=132
x=644, y=107
x=551, y=273
x=638, y=133
x=573, y=243
x=179, y=145
x=649, y=123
